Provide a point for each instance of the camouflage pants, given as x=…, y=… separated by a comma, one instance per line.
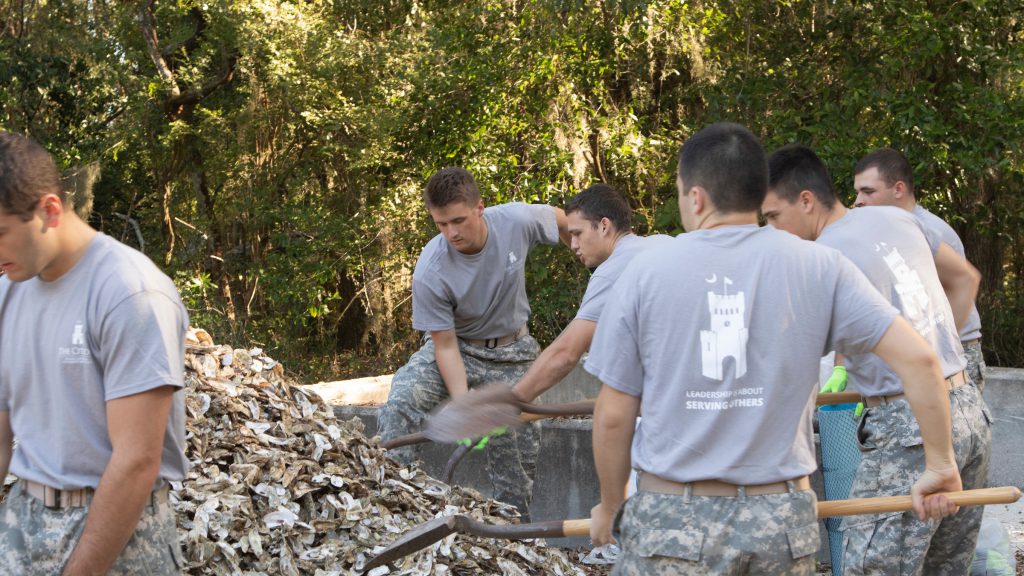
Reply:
x=38, y=541
x=665, y=534
x=975, y=363
x=417, y=388
x=892, y=459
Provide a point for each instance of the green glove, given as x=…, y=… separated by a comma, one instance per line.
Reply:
x=482, y=442
x=836, y=382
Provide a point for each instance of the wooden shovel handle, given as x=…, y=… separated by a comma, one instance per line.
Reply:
x=856, y=506
x=827, y=398
x=576, y=527
x=580, y=408
x=883, y=504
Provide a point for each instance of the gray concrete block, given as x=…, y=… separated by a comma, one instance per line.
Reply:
x=1004, y=394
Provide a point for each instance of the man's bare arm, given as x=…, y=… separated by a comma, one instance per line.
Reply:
x=614, y=423
x=913, y=360
x=136, y=425
x=960, y=280
x=563, y=226
x=6, y=444
x=449, y=362
x=557, y=360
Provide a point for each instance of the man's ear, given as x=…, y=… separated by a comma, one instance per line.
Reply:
x=807, y=201
x=605, y=225
x=698, y=198
x=900, y=190
x=51, y=210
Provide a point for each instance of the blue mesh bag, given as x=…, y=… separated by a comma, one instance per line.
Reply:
x=840, y=456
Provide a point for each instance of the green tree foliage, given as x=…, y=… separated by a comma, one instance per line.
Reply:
x=272, y=154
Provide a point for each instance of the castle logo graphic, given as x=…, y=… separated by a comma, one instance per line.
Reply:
x=78, y=336
x=728, y=334
x=913, y=297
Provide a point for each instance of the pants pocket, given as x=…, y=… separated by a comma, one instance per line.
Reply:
x=803, y=541
x=872, y=545
x=682, y=544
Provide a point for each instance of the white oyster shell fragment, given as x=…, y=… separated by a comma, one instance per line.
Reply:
x=280, y=517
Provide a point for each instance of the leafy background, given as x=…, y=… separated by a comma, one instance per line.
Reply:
x=272, y=153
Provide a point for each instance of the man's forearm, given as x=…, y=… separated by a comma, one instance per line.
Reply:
x=449, y=364
x=556, y=361
x=960, y=281
x=929, y=400
x=614, y=424
x=6, y=445
x=113, y=515
x=961, y=301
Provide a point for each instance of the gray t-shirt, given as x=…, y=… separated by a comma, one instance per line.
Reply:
x=972, y=328
x=602, y=280
x=896, y=253
x=719, y=333
x=482, y=295
x=111, y=326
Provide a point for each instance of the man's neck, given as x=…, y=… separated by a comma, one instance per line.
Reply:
x=829, y=218
x=715, y=219
x=74, y=240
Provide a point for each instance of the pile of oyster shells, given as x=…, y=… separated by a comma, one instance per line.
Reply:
x=279, y=486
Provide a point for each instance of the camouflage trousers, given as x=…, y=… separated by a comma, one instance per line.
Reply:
x=975, y=363
x=666, y=534
x=892, y=458
x=38, y=541
x=417, y=388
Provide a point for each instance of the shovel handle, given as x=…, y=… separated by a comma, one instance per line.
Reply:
x=531, y=412
x=576, y=527
x=854, y=506
x=827, y=398
x=883, y=504
x=581, y=408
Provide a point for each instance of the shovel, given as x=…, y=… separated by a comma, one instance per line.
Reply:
x=530, y=412
x=434, y=530
x=492, y=406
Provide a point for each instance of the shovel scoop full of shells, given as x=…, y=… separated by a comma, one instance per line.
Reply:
x=279, y=486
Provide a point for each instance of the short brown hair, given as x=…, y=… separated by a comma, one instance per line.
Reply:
x=449, y=185
x=892, y=166
x=27, y=172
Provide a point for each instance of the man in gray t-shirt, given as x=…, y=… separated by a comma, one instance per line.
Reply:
x=885, y=178
x=904, y=262
x=717, y=337
x=92, y=337
x=602, y=238
x=469, y=296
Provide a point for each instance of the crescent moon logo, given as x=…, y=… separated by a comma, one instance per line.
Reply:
x=712, y=280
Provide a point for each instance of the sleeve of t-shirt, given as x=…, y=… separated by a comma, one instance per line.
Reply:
x=540, y=223
x=595, y=297
x=431, y=310
x=142, y=344
x=615, y=353
x=931, y=235
x=860, y=315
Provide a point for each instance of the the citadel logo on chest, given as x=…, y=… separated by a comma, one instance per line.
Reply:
x=78, y=351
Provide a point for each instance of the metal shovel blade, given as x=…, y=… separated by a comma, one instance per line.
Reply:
x=474, y=414
x=418, y=538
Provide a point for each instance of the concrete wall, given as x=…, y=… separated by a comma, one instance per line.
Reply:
x=566, y=484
